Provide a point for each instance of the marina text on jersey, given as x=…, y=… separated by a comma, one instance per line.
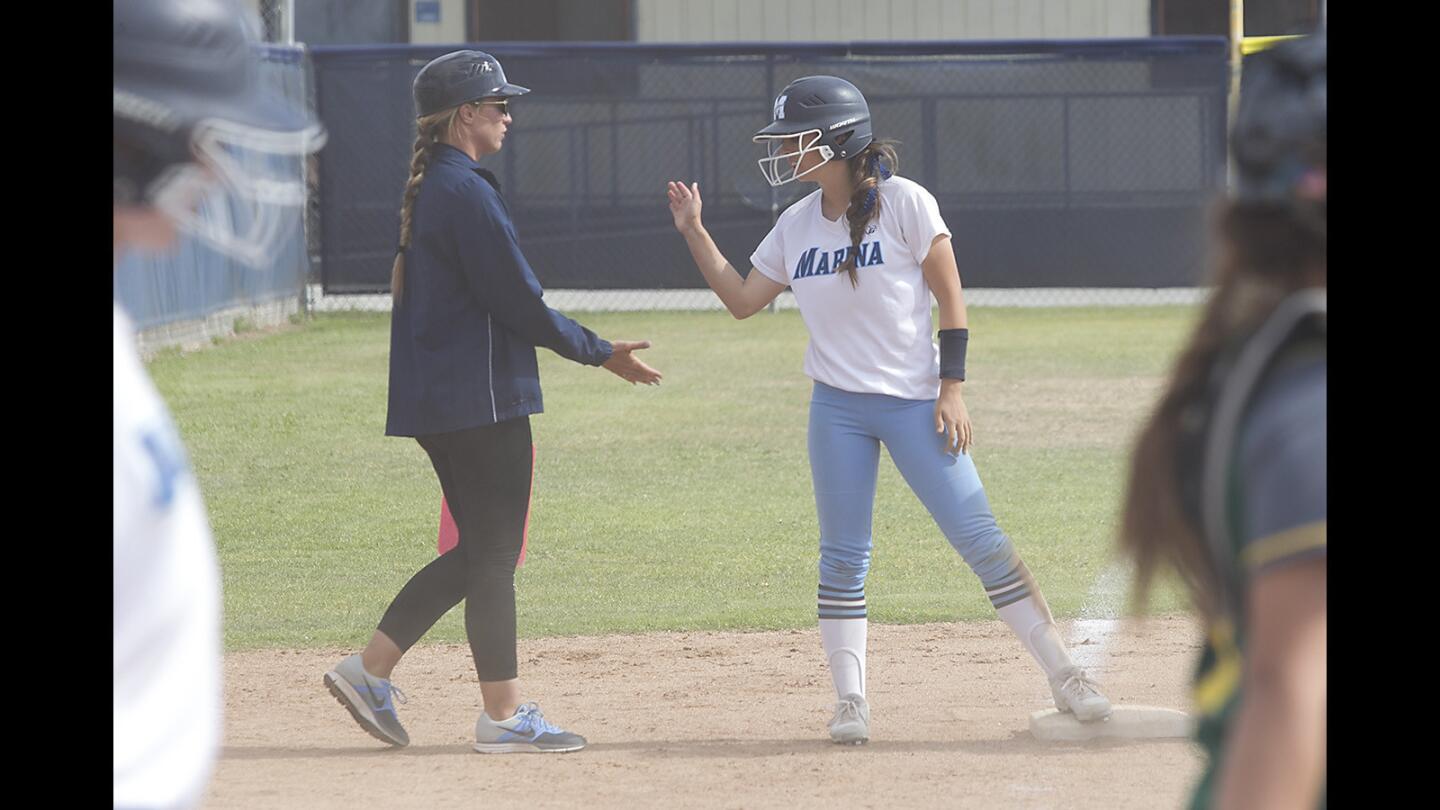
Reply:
x=815, y=262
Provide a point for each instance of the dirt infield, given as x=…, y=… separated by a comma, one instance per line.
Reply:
x=732, y=720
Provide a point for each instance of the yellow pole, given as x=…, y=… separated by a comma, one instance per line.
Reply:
x=1237, y=30
x=1237, y=38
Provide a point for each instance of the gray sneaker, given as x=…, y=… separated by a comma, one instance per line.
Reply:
x=851, y=723
x=1076, y=692
x=368, y=700
x=525, y=733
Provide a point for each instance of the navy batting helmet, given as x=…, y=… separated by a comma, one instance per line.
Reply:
x=194, y=124
x=460, y=76
x=1278, y=140
x=830, y=116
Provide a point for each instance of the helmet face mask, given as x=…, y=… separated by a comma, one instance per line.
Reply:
x=777, y=167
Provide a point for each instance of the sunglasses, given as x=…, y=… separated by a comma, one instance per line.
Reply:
x=503, y=104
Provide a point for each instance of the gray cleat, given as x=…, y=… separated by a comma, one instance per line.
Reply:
x=1076, y=692
x=851, y=723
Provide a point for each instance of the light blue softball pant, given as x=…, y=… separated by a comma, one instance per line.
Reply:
x=846, y=431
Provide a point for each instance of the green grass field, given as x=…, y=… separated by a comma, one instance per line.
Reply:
x=682, y=506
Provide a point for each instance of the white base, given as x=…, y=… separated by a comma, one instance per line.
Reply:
x=1126, y=722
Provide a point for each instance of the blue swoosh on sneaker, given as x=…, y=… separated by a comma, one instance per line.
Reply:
x=527, y=735
x=370, y=693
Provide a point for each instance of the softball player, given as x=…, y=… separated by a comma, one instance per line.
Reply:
x=467, y=317
x=186, y=95
x=863, y=253
x=1228, y=482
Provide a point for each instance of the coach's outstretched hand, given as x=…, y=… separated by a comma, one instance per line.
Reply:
x=624, y=364
x=684, y=205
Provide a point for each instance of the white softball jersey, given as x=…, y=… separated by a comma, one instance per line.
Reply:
x=875, y=337
x=167, y=602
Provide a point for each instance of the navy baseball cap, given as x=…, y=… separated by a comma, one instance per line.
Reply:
x=460, y=76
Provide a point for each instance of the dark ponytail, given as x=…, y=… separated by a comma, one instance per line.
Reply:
x=873, y=164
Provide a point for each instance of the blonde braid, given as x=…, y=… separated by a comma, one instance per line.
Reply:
x=425, y=129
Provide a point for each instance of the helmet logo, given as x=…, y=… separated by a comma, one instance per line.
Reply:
x=780, y=108
x=478, y=67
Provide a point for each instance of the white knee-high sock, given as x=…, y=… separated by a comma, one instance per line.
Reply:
x=1018, y=601
x=844, y=642
x=842, y=633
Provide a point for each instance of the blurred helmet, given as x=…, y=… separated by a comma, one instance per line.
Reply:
x=1278, y=139
x=197, y=134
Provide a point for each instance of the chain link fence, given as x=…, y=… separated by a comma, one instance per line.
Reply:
x=1071, y=173
x=277, y=20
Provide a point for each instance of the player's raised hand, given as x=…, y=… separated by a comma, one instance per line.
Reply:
x=684, y=205
x=624, y=364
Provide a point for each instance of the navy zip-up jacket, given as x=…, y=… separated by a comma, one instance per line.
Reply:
x=463, y=336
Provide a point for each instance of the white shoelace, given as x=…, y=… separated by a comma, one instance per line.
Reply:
x=533, y=720
x=846, y=710
x=1081, y=686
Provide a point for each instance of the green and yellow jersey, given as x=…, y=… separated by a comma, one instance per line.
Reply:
x=1275, y=516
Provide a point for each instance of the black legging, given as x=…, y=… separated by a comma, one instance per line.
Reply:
x=485, y=473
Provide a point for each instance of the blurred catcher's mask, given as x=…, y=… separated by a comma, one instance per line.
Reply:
x=240, y=191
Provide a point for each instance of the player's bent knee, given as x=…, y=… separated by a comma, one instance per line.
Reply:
x=845, y=574
x=990, y=554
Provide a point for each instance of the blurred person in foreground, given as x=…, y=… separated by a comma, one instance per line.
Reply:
x=1228, y=479
x=189, y=109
